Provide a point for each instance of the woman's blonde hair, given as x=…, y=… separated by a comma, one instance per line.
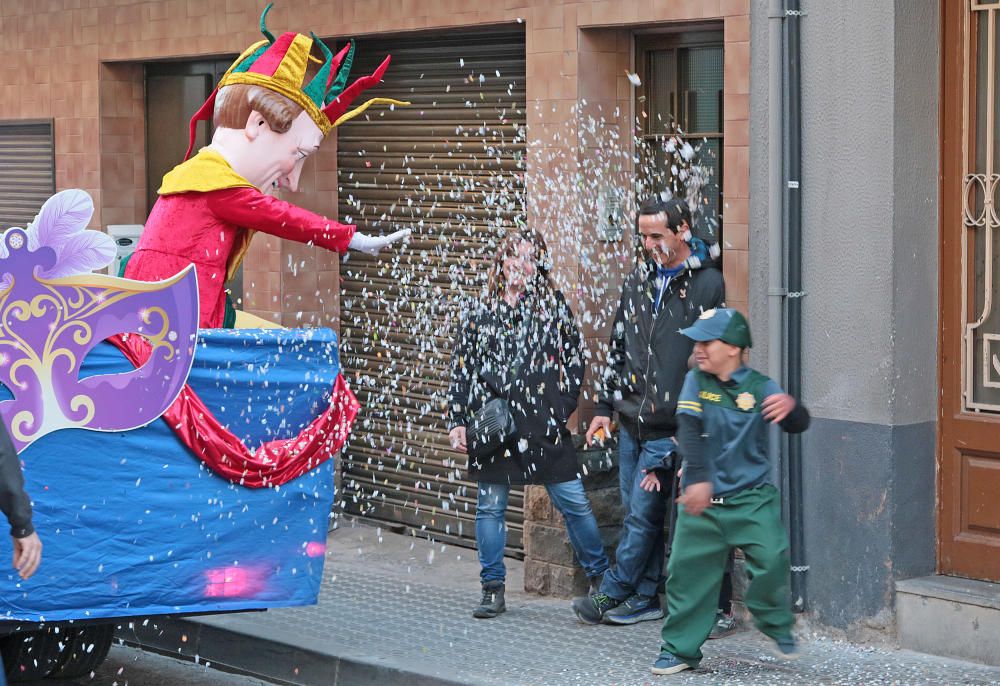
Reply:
x=509, y=244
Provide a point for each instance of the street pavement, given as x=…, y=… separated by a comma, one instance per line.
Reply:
x=126, y=665
x=396, y=609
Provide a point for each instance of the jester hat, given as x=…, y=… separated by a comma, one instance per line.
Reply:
x=280, y=66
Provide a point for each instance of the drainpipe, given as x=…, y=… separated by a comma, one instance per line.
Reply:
x=775, y=241
x=793, y=246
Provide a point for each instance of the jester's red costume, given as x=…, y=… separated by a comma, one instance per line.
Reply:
x=204, y=216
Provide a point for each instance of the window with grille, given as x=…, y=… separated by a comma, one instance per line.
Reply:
x=27, y=170
x=680, y=102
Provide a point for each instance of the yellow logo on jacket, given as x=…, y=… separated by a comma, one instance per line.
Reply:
x=712, y=397
x=745, y=401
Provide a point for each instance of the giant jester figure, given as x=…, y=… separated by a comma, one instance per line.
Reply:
x=271, y=110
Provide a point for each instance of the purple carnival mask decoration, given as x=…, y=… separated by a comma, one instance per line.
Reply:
x=53, y=312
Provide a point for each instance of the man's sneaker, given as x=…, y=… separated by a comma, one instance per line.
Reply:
x=786, y=648
x=636, y=608
x=668, y=664
x=595, y=583
x=492, y=603
x=591, y=608
x=724, y=625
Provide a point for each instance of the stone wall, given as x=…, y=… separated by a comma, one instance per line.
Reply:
x=550, y=568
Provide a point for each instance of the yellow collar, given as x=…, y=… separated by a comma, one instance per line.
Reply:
x=207, y=171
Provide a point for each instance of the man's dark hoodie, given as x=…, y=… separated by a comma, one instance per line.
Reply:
x=14, y=502
x=648, y=357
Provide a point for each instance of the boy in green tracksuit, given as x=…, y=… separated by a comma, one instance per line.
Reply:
x=728, y=499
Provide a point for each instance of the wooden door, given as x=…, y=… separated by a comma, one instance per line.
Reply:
x=969, y=416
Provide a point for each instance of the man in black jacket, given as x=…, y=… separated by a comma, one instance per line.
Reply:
x=647, y=362
x=16, y=507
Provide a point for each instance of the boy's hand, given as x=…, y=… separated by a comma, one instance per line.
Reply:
x=776, y=407
x=457, y=438
x=696, y=497
x=27, y=554
x=597, y=424
x=650, y=482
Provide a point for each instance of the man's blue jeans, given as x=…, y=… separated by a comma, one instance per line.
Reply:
x=569, y=499
x=640, y=555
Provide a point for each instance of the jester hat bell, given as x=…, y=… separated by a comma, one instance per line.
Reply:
x=280, y=66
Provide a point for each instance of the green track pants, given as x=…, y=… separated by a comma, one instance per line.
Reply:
x=750, y=520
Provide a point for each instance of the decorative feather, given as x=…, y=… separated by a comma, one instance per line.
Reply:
x=61, y=224
x=63, y=215
x=82, y=253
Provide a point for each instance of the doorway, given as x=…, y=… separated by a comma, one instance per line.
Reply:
x=174, y=92
x=969, y=364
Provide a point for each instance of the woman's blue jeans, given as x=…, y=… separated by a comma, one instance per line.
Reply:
x=568, y=497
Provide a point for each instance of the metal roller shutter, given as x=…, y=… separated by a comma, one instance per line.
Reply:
x=27, y=170
x=450, y=166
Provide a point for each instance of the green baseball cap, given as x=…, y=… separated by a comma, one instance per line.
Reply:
x=721, y=323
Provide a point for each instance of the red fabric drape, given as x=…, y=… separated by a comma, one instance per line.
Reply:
x=274, y=462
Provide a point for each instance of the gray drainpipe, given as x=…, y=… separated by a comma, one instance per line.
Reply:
x=784, y=210
x=793, y=301
x=775, y=259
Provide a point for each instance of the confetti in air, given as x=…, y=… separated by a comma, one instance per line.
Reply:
x=469, y=160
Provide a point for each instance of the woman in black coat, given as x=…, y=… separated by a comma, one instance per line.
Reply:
x=519, y=342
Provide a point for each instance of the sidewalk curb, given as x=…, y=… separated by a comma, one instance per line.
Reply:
x=232, y=649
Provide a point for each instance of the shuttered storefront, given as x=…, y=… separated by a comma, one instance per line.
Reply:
x=27, y=170
x=451, y=167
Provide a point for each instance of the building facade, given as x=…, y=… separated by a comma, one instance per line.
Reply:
x=535, y=111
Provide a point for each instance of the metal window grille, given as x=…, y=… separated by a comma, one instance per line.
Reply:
x=27, y=169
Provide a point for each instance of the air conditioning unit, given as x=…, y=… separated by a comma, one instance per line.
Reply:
x=126, y=238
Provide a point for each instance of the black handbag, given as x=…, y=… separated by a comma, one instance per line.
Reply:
x=492, y=428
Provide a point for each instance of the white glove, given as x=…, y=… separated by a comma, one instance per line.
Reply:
x=371, y=245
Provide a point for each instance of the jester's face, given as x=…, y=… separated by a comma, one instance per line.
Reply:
x=276, y=159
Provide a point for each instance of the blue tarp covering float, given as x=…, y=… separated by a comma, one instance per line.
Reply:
x=133, y=523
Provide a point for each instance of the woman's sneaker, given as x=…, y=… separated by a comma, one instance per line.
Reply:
x=492, y=602
x=668, y=664
x=590, y=609
x=636, y=608
x=724, y=625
